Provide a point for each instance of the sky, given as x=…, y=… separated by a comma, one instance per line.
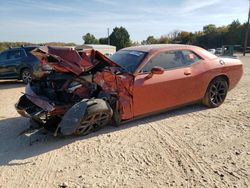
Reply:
x=68, y=20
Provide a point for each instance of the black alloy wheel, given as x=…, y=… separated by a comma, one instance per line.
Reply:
x=216, y=93
x=26, y=76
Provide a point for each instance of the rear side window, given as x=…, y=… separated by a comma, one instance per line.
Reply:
x=14, y=54
x=171, y=60
x=190, y=57
x=166, y=60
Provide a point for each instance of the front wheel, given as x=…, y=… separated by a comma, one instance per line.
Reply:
x=98, y=114
x=26, y=76
x=216, y=93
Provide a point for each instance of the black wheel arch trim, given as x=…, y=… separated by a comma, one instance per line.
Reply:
x=218, y=76
x=21, y=69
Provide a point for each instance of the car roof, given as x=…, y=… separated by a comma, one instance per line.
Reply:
x=158, y=47
x=155, y=48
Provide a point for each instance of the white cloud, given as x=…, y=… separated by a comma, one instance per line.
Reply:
x=193, y=5
x=107, y=2
x=35, y=5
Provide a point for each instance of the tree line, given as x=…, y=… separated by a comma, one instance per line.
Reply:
x=210, y=37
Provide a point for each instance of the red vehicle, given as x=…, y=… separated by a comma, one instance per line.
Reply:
x=79, y=92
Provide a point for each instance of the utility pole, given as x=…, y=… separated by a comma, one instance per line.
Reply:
x=247, y=30
x=108, y=37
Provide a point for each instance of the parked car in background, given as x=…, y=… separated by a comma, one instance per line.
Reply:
x=18, y=63
x=212, y=51
x=86, y=90
x=219, y=51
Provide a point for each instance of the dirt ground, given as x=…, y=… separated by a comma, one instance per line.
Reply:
x=188, y=147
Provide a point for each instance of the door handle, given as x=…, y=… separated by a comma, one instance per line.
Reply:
x=187, y=72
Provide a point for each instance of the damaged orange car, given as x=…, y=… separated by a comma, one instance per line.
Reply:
x=77, y=92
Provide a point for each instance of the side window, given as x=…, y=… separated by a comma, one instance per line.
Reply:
x=166, y=60
x=14, y=54
x=3, y=56
x=190, y=57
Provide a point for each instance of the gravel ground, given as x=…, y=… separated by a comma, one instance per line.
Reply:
x=188, y=147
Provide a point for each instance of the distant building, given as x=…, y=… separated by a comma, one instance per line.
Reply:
x=107, y=50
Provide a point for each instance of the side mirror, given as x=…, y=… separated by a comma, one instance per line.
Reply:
x=155, y=70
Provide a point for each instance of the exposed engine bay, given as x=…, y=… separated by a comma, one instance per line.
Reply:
x=70, y=86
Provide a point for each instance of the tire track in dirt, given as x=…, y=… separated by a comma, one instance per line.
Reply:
x=184, y=157
x=41, y=169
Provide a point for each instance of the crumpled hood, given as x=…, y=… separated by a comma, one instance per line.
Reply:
x=65, y=59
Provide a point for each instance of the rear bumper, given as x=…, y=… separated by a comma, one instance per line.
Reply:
x=235, y=75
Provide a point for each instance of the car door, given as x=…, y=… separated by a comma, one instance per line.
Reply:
x=10, y=64
x=172, y=88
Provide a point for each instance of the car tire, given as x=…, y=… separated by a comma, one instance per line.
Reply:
x=97, y=115
x=216, y=93
x=26, y=75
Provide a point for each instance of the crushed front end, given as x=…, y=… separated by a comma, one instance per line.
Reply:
x=73, y=83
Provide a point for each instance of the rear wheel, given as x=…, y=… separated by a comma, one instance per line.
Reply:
x=26, y=76
x=98, y=114
x=216, y=93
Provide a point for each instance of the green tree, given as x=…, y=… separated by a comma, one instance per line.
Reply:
x=90, y=39
x=234, y=25
x=151, y=40
x=184, y=37
x=212, y=37
x=103, y=40
x=120, y=38
x=211, y=28
x=236, y=33
x=135, y=43
x=164, y=40
x=173, y=36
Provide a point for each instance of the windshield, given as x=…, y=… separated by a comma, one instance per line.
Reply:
x=128, y=59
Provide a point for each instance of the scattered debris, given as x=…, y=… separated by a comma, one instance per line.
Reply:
x=63, y=185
